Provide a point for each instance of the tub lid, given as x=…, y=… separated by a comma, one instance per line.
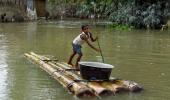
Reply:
x=96, y=64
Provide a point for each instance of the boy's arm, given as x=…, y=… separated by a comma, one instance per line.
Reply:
x=86, y=39
x=91, y=37
x=92, y=46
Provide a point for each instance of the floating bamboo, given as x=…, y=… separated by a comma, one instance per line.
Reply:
x=101, y=88
x=78, y=89
x=81, y=88
x=96, y=87
x=112, y=86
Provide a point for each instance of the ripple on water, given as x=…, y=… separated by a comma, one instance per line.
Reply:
x=3, y=71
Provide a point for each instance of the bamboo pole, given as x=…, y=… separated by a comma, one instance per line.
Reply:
x=69, y=74
x=77, y=89
x=114, y=86
x=99, y=90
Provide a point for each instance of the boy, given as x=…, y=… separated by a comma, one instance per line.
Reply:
x=84, y=36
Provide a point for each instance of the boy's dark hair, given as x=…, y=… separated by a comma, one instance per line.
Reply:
x=84, y=26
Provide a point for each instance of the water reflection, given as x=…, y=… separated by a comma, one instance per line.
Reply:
x=3, y=67
x=142, y=56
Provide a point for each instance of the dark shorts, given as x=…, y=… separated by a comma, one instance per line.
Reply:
x=77, y=48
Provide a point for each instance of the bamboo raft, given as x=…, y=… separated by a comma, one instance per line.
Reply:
x=71, y=80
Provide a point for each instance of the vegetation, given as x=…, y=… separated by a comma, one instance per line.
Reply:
x=137, y=13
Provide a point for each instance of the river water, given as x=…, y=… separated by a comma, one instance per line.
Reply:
x=138, y=55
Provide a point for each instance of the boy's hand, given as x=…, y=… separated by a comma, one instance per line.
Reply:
x=83, y=37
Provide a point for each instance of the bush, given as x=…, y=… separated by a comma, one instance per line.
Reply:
x=152, y=16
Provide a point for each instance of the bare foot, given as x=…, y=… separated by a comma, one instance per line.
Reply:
x=70, y=64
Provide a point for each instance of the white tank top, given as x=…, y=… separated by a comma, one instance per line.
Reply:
x=78, y=40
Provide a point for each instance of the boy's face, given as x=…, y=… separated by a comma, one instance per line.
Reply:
x=86, y=29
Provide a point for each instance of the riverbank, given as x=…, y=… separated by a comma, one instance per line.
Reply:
x=136, y=14
x=11, y=12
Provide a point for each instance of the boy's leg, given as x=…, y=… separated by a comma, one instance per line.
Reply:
x=78, y=59
x=71, y=57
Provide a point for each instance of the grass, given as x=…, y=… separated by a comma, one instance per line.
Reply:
x=117, y=26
